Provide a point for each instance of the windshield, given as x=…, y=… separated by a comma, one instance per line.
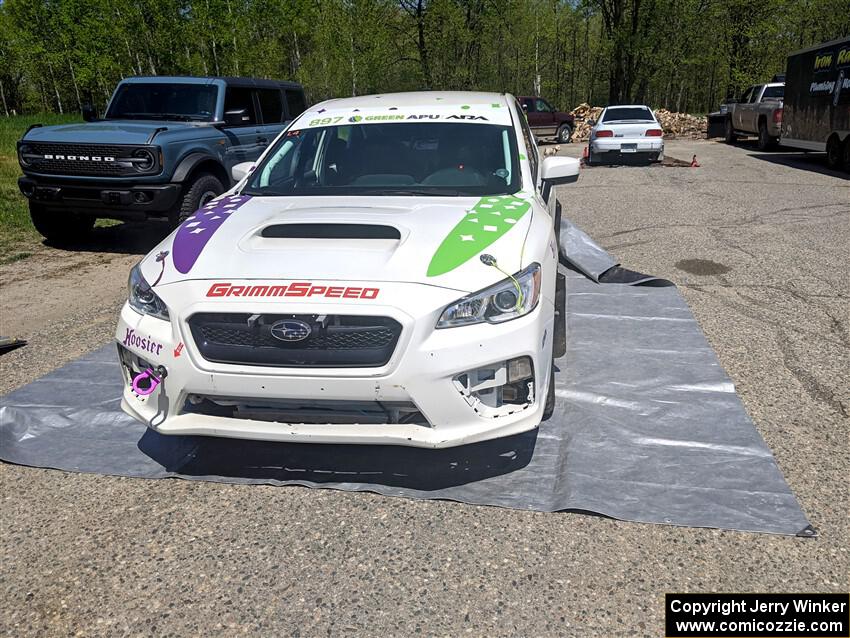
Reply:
x=773, y=91
x=621, y=114
x=155, y=101
x=416, y=158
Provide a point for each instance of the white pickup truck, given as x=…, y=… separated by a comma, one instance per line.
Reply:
x=757, y=112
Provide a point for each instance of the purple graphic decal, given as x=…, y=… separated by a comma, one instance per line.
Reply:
x=196, y=231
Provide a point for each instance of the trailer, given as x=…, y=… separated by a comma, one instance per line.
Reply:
x=816, y=115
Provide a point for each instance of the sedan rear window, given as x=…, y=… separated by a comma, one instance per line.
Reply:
x=620, y=114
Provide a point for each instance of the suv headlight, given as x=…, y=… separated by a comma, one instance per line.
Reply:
x=142, y=298
x=510, y=298
x=143, y=160
x=23, y=152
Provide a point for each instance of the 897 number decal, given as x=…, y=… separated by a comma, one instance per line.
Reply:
x=324, y=120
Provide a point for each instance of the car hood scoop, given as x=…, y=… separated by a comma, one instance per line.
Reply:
x=330, y=231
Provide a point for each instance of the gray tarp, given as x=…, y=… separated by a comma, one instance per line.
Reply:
x=647, y=428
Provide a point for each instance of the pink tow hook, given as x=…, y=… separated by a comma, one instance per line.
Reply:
x=152, y=383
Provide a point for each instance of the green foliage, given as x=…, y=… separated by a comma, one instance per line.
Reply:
x=681, y=54
x=16, y=231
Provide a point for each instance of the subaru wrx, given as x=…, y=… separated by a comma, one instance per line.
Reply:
x=385, y=273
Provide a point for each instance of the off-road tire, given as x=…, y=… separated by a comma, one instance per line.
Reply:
x=60, y=228
x=833, y=153
x=730, y=136
x=196, y=193
x=765, y=142
x=565, y=132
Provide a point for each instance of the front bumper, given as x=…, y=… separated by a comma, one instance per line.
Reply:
x=422, y=373
x=102, y=198
x=622, y=146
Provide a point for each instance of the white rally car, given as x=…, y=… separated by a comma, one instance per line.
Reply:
x=385, y=273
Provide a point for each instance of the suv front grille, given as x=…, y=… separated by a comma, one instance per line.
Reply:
x=333, y=340
x=110, y=160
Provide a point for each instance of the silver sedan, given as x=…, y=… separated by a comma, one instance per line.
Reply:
x=626, y=131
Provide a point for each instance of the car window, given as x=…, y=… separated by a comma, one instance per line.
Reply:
x=271, y=106
x=407, y=158
x=527, y=104
x=774, y=92
x=746, y=96
x=542, y=106
x=154, y=100
x=627, y=113
x=531, y=147
x=295, y=103
x=755, y=94
x=241, y=99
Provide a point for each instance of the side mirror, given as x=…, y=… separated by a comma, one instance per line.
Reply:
x=235, y=117
x=241, y=170
x=559, y=170
x=89, y=112
x=525, y=107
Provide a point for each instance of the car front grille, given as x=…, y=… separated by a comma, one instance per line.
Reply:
x=109, y=160
x=333, y=340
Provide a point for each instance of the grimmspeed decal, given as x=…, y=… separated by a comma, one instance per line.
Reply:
x=295, y=289
x=483, y=224
x=197, y=230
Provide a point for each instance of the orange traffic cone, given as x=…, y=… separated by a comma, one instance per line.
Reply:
x=694, y=162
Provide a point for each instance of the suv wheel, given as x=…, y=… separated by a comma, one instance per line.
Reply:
x=60, y=228
x=833, y=153
x=565, y=132
x=765, y=140
x=196, y=193
x=730, y=132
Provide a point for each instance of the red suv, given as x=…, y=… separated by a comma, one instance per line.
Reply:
x=545, y=119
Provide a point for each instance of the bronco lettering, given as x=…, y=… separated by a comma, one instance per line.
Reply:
x=297, y=289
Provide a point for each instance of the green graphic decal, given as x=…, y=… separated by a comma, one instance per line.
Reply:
x=483, y=224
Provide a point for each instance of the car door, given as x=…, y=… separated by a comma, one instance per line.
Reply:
x=243, y=139
x=740, y=107
x=272, y=114
x=752, y=112
x=545, y=115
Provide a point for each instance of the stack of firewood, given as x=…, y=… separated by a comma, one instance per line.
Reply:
x=673, y=124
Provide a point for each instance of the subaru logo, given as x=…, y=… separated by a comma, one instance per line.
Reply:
x=291, y=330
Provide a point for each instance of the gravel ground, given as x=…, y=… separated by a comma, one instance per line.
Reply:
x=759, y=246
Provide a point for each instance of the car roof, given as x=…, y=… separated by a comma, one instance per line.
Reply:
x=628, y=106
x=195, y=79
x=418, y=99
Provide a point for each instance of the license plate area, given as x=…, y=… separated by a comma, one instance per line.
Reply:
x=628, y=148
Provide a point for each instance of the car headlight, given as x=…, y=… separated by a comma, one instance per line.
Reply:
x=23, y=155
x=510, y=298
x=142, y=298
x=143, y=160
